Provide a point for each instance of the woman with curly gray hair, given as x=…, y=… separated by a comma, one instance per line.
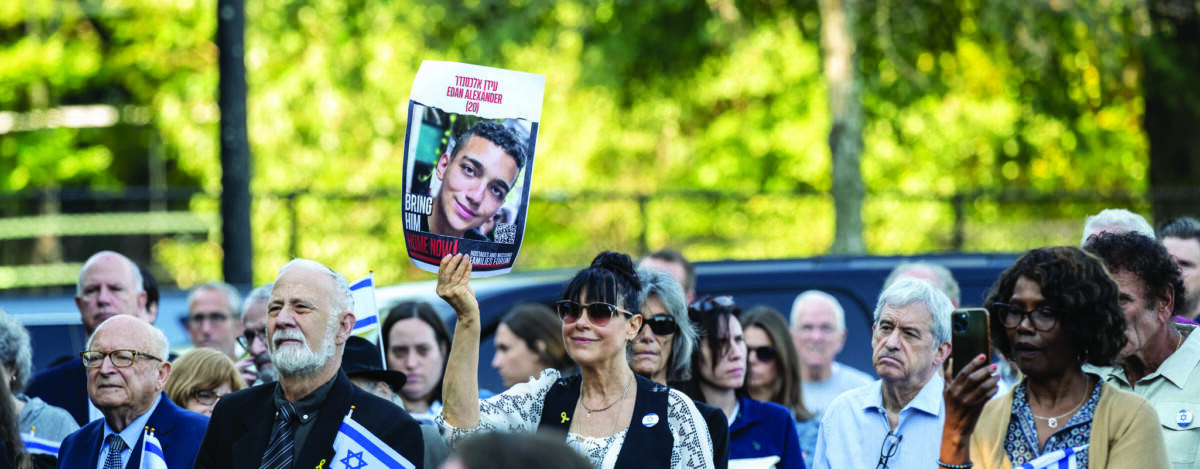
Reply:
x=35, y=418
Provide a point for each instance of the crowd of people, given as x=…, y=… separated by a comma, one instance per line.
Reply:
x=1094, y=365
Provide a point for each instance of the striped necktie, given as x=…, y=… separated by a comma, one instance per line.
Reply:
x=115, y=446
x=279, y=451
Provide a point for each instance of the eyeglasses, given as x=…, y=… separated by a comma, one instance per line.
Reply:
x=661, y=324
x=598, y=313
x=713, y=302
x=206, y=396
x=214, y=318
x=250, y=335
x=119, y=358
x=891, y=443
x=1043, y=318
x=764, y=354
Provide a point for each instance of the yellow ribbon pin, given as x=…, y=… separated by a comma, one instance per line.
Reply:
x=321, y=464
x=565, y=418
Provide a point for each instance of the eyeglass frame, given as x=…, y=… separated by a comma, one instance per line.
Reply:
x=246, y=342
x=1023, y=314
x=659, y=321
x=886, y=450
x=100, y=362
x=195, y=394
x=211, y=318
x=583, y=310
x=770, y=350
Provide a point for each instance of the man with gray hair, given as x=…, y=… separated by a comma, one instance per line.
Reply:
x=897, y=420
x=256, y=366
x=1115, y=220
x=126, y=372
x=297, y=421
x=819, y=333
x=214, y=317
x=109, y=285
x=936, y=274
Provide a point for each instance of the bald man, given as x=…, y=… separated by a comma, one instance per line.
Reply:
x=126, y=372
x=109, y=285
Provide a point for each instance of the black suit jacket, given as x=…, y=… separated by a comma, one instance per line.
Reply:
x=241, y=424
x=64, y=386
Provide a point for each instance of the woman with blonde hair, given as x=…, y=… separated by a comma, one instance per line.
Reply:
x=200, y=378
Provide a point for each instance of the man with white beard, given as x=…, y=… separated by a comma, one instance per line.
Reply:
x=294, y=422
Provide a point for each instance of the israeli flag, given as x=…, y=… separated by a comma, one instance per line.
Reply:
x=356, y=448
x=366, y=317
x=152, y=452
x=35, y=445
x=1061, y=459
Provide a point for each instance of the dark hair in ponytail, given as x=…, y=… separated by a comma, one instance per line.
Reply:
x=611, y=279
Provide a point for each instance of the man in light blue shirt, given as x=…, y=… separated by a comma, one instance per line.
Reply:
x=895, y=422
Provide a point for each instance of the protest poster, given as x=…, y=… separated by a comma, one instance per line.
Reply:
x=468, y=163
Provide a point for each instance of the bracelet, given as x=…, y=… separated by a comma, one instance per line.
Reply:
x=968, y=465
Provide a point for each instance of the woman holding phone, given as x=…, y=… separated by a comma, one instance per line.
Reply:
x=1051, y=311
x=610, y=415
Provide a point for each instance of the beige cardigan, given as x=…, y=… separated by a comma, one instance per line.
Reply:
x=1125, y=433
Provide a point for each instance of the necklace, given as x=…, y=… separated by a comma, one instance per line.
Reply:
x=1053, y=421
x=609, y=406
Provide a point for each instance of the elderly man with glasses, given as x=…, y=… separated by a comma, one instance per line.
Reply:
x=126, y=373
x=894, y=422
x=256, y=367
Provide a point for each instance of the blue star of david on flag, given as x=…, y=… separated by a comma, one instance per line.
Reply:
x=358, y=448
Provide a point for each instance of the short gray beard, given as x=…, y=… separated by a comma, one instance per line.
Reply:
x=301, y=361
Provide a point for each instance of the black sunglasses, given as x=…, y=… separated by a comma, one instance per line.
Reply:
x=661, y=324
x=764, y=354
x=598, y=313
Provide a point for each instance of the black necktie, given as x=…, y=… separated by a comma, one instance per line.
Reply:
x=115, y=446
x=279, y=451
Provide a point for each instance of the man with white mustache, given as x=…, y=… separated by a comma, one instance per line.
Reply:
x=294, y=422
x=899, y=417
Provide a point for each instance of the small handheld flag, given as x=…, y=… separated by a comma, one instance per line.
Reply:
x=356, y=448
x=152, y=452
x=35, y=445
x=366, y=317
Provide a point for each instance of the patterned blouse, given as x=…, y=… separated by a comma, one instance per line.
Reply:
x=519, y=409
x=1021, y=443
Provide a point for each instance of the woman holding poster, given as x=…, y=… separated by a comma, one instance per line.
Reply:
x=609, y=414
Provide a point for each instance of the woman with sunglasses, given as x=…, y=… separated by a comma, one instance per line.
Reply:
x=762, y=434
x=1054, y=310
x=200, y=378
x=774, y=371
x=662, y=352
x=613, y=417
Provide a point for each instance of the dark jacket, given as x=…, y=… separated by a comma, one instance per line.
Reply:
x=178, y=430
x=718, y=430
x=763, y=429
x=241, y=427
x=63, y=386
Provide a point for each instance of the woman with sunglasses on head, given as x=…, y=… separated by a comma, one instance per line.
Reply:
x=662, y=352
x=200, y=378
x=1054, y=310
x=761, y=434
x=774, y=371
x=613, y=417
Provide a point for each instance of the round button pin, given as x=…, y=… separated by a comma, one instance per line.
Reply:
x=1184, y=418
x=650, y=420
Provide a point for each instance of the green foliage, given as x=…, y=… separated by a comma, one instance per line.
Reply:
x=714, y=113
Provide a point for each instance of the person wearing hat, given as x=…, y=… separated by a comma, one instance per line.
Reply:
x=363, y=363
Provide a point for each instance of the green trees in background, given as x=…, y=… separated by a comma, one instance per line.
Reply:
x=700, y=125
